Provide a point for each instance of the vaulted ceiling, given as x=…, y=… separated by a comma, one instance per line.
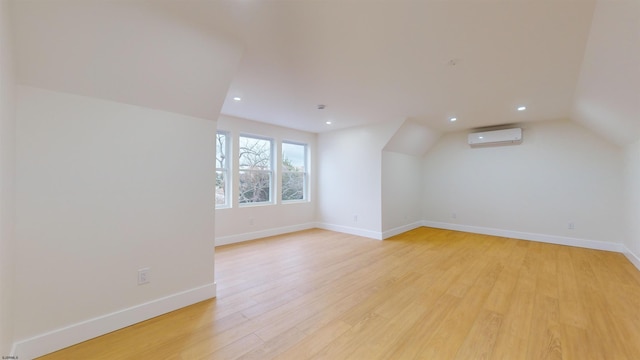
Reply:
x=377, y=61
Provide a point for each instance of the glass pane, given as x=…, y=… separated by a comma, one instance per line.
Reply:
x=254, y=187
x=255, y=154
x=221, y=188
x=292, y=186
x=221, y=150
x=293, y=157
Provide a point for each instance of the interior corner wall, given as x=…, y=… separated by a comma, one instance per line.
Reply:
x=632, y=192
x=349, y=179
x=401, y=192
x=7, y=179
x=102, y=190
x=241, y=223
x=562, y=173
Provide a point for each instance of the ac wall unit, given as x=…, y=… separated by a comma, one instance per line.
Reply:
x=496, y=137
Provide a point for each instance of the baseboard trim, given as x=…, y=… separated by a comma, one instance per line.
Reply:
x=73, y=334
x=633, y=258
x=351, y=230
x=400, y=229
x=551, y=239
x=232, y=239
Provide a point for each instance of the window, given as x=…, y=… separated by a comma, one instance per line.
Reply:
x=222, y=169
x=255, y=170
x=294, y=171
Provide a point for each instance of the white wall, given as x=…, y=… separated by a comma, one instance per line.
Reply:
x=7, y=179
x=121, y=178
x=608, y=97
x=401, y=192
x=349, y=178
x=632, y=197
x=240, y=223
x=561, y=173
x=103, y=189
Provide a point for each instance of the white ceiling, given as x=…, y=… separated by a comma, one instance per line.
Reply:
x=367, y=61
x=375, y=61
x=118, y=51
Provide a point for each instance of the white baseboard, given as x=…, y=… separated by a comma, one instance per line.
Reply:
x=351, y=230
x=232, y=239
x=73, y=334
x=400, y=229
x=635, y=260
x=551, y=239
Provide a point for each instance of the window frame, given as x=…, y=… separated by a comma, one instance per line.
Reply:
x=271, y=171
x=226, y=170
x=305, y=173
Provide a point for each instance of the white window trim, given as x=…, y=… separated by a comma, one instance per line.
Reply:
x=271, y=171
x=226, y=170
x=305, y=173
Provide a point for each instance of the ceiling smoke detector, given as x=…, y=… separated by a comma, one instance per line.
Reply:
x=321, y=106
x=453, y=62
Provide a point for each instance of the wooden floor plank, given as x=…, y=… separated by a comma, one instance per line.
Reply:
x=481, y=340
x=513, y=336
x=453, y=330
x=412, y=344
x=312, y=345
x=545, y=341
x=357, y=336
x=570, y=298
x=424, y=294
x=231, y=351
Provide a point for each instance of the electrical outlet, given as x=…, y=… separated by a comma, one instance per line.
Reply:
x=571, y=226
x=454, y=215
x=144, y=276
x=355, y=218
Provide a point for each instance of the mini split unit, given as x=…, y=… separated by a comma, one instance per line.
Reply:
x=496, y=137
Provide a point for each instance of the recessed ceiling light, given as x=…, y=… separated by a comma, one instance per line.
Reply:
x=328, y=122
x=453, y=119
x=237, y=98
x=480, y=137
x=522, y=108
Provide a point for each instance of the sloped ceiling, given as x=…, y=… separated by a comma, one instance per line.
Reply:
x=608, y=94
x=412, y=138
x=367, y=61
x=135, y=52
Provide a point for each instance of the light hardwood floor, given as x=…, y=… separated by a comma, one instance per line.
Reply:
x=425, y=294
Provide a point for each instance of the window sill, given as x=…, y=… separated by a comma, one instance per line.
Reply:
x=295, y=202
x=256, y=204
